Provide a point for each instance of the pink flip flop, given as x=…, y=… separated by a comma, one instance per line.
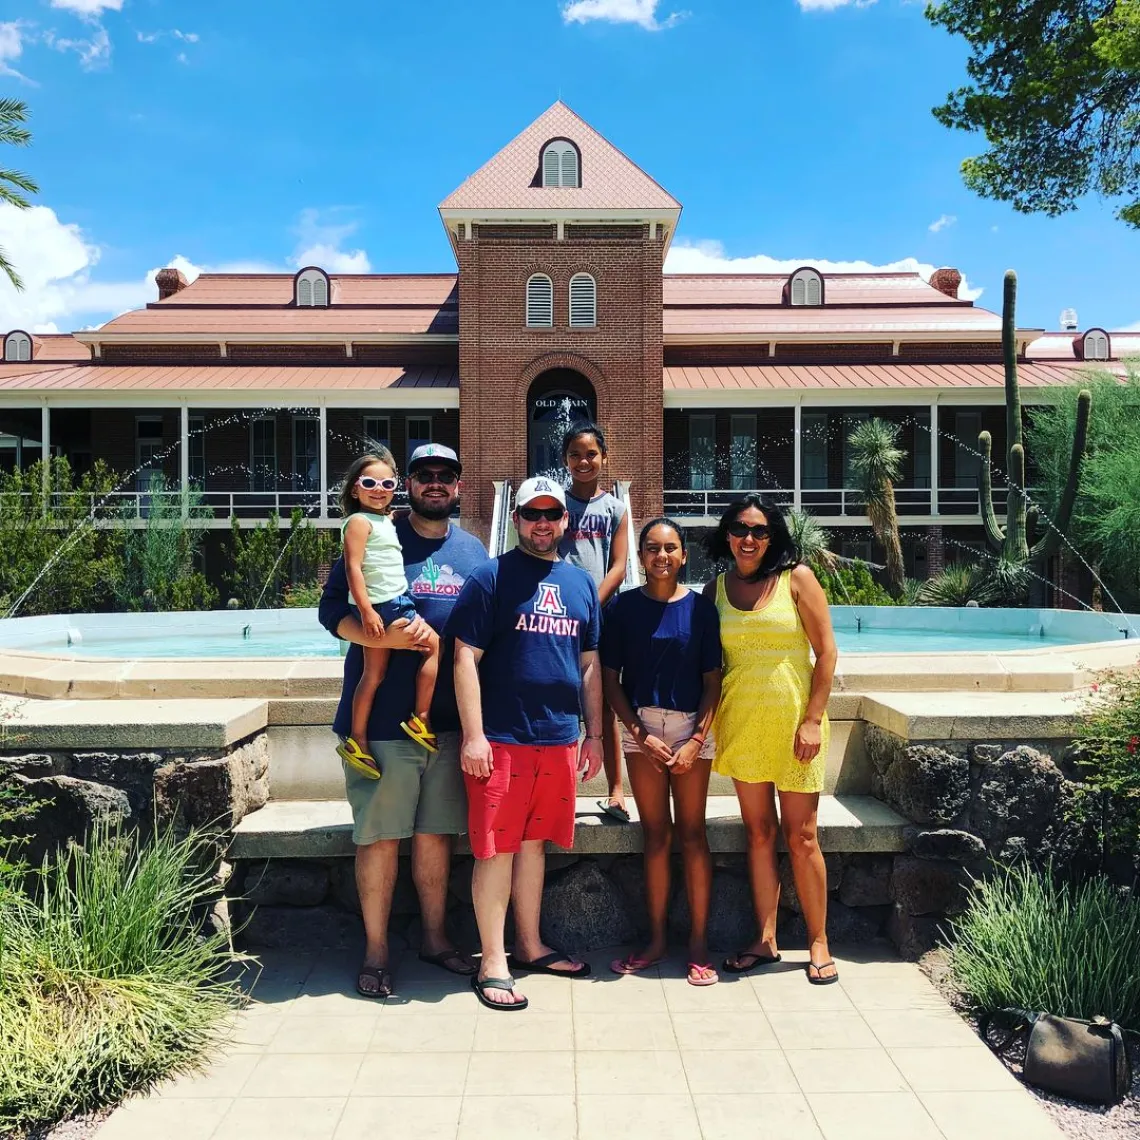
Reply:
x=631, y=964
x=698, y=972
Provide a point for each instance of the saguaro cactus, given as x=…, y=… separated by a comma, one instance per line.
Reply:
x=1012, y=542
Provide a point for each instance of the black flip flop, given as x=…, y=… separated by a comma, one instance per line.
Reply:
x=383, y=980
x=817, y=980
x=508, y=984
x=441, y=960
x=758, y=962
x=614, y=811
x=544, y=965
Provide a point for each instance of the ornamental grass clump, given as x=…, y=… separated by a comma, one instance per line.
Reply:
x=1029, y=940
x=108, y=981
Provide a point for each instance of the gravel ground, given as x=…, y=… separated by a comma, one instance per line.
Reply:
x=1074, y=1118
x=78, y=1128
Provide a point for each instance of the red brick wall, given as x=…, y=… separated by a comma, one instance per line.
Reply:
x=698, y=354
x=287, y=354
x=499, y=357
x=968, y=351
x=160, y=353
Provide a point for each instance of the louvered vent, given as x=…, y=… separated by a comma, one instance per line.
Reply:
x=583, y=301
x=321, y=292
x=539, y=302
x=551, y=167
x=305, y=292
x=560, y=165
x=569, y=167
x=18, y=347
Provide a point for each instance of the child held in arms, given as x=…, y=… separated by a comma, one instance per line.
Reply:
x=374, y=564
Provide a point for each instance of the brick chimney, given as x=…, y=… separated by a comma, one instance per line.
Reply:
x=946, y=281
x=171, y=281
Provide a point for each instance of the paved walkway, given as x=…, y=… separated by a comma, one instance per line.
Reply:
x=879, y=1056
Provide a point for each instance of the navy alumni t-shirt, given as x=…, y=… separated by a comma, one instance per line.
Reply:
x=436, y=568
x=532, y=619
x=662, y=649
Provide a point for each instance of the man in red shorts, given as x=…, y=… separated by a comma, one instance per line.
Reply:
x=526, y=629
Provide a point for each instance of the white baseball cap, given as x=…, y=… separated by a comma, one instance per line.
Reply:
x=540, y=487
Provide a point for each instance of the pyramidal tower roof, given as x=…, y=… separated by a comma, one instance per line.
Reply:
x=512, y=180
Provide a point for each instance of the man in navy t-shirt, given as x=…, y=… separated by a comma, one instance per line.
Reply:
x=419, y=794
x=526, y=631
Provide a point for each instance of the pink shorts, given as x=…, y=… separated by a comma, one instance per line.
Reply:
x=669, y=726
x=530, y=794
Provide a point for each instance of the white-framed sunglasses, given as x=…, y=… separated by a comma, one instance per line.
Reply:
x=368, y=483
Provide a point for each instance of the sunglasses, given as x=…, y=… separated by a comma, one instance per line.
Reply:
x=369, y=484
x=445, y=478
x=743, y=530
x=533, y=514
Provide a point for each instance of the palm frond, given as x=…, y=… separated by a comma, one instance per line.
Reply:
x=9, y=270
x=957, y=585
x=19, y=180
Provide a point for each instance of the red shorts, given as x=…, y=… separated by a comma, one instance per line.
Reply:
x=529, y=795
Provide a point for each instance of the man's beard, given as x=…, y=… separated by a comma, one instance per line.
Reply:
x=549, y=545
x=433, y=509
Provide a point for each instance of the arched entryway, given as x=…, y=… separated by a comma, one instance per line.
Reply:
x=556, y=399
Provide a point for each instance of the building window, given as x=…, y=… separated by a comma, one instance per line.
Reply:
x=813, y=451
x=377, y=432
x=805, y=288
x=263, y=454
x=312, y=289
x=967, y=460
x=539, y=302
x=583, y=301
x=1096, y=345
x=742, y=453
x=196, y=452
x=306, y=453
x=702, y=452
x=148, y=451
x=560, y=164
x=418, y=429
x=17, y=346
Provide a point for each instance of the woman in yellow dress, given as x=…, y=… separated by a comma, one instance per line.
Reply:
x=771, y=727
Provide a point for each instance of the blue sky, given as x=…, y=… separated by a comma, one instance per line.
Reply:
x=269, y=133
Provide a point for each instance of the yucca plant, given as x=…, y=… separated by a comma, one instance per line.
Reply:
x=813, y=542
x=956, y=586
x=13, y=184
x=1030, y=941
x=108, y=982
x=877, y=462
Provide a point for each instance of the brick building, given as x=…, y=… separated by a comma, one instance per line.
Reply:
x=255, y=390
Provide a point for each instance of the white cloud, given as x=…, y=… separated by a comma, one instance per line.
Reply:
x=59, y=264
x=182, y=57
x=319, y=243
x=93, y=52
x=11, y=47
x=831, y=5
x=640, y=12
x=186, y=37
x=709, y=257
x=175, y=33
x=942, y=223
x=89, y=8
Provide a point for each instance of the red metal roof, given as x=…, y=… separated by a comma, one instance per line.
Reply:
x=815, y=377
x=58, y=346
x=511, y=181
x=220, y=377
x=738, y=289
x=884, y=320
x=1059, y=345
x=405, y=289
x=171, y=320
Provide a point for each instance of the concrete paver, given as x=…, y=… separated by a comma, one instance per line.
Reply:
x=880, y=1055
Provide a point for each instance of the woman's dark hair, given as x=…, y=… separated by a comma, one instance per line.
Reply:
x=661, y=521
x=781, y=553
x=349, y=503
x=584, y=427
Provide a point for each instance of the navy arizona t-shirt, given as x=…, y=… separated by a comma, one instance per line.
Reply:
x=662, y=649
x=436, y=568
x=532, y=619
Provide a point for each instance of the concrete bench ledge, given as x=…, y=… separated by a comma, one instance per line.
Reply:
x=182, y=724
x=315, y=829
x=974, y=716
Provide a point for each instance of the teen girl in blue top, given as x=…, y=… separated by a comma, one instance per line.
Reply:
x=597, y=541
x=661, y=666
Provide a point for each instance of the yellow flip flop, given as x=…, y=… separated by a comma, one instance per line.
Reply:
x=420, y=733
x=357, y=759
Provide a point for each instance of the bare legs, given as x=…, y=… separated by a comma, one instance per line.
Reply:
x=651, y=788
x=797, y=820
x=611, y=756
x=375, y=666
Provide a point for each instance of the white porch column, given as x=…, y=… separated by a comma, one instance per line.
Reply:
x=45, y=450
x=934, y=451
x=797, y=477
x=184, y=459
x=322, y=433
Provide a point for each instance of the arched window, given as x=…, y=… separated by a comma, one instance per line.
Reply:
x=560, y=164
x=1096, y=345
x=312, y=289
x=583, y=301
x=17, y=346
x=805, y=287
x=539, y=302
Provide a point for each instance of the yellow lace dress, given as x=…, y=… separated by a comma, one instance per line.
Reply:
x=767, y=682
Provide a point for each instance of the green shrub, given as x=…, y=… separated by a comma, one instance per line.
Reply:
x=108, y=981
x=851, y=584
x=956, y=585
x=1107, y=746
x=1029, y=941
x=302, y=597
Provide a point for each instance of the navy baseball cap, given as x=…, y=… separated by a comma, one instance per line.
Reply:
x=435, y=453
